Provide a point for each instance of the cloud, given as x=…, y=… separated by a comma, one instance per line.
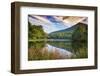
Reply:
x=54, y=23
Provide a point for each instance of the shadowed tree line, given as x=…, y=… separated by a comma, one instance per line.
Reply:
x=81, y=33
x=78, y=44
x=77, y=32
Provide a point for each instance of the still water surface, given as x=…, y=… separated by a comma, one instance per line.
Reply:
x=51, y=50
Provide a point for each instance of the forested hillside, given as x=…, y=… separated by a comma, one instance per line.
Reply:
x=75, y=32
x=81, y=33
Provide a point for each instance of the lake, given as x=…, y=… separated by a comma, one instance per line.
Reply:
x=58, y=49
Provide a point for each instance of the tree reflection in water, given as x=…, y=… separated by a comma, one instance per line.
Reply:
x=42, y=50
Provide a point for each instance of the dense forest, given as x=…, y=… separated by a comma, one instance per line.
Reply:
x=36, y=32
x=38, y=40
x=63, y=34
x=77, y=32
x=80, y=34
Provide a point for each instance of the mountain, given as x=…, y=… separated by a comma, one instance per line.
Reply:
x=67, y=33
x=55, y=23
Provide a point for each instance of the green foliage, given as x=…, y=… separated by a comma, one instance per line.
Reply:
x=63, y=34
x=80, y=49
x=77, y=44
x=79, y=41
x=35, y=32
x=60, y=35
x=80, y=34
x=76, y=32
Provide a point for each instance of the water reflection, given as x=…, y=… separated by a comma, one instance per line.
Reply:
x=42, y=50
x=80, y=49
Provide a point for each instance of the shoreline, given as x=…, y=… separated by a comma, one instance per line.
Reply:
x=49, y=40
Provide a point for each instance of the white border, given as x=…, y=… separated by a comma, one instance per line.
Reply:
x=25, y=64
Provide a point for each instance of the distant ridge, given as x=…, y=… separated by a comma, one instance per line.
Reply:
x=66, y=33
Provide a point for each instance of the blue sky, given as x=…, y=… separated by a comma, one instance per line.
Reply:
x=49, y=23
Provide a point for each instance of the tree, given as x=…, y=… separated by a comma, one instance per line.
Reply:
x=36, y=32
x=80, y=34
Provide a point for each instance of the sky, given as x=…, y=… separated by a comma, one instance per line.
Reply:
x=54, y=23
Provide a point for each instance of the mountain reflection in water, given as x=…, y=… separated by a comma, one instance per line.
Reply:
x=55, y=50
